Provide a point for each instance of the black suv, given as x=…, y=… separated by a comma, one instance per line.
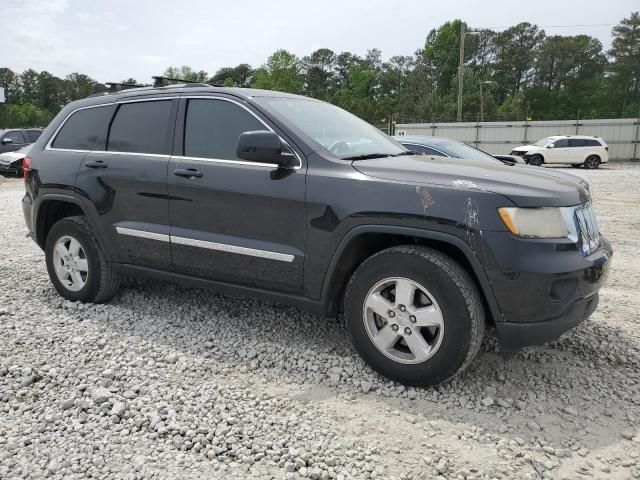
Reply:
x=294, y=200
x=15, y=139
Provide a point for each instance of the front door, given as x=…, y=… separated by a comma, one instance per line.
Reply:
x=127, y=182
x=233, y=221
x=559, y=153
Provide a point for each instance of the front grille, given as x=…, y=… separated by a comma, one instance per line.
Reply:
x=587, y=229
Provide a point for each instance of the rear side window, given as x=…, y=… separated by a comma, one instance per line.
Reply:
x=141, y=127
x=85, y=129
x=592, y=143
x=32, y=135
x=576, y=142
x=212, y=128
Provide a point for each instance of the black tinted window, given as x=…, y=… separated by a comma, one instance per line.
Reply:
x=141, y=128
x=576, y=142
x=32, y=135
x=85, y=129
x=592, y=143
x=213, y=127
x=16, y=138
x=422, y=149
x=561, y=143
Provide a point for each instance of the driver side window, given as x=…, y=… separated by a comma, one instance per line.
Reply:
x=212, y=128
x=562, y=143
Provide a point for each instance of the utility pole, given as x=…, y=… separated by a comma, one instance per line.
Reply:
x=461, y=71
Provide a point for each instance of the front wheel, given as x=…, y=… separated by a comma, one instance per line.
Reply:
x=414, y=315
x=536, y=161
x=76, y=264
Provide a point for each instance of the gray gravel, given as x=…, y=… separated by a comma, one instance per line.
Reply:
x=167, y=382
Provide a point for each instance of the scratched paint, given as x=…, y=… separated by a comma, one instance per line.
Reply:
x=471, y=216
x=463, y=184
x=426, y=200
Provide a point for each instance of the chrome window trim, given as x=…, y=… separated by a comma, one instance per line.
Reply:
x=55, y=134
x=234, y=162
x=192, y=242
x=205, y=96
x=143, y=234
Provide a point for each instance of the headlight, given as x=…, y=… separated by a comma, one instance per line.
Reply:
x=534, y=222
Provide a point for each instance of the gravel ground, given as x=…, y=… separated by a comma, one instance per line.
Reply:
x=166, y=382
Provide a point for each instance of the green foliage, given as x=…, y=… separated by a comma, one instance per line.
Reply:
x=282, y=72
x=523, y=73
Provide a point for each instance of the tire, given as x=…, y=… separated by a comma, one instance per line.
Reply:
x=90, y=276
x=536, y=161
x=450, y=292
x=592, y=162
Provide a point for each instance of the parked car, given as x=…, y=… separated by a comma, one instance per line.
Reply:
x=11, y=162
x=453, y=149
x=15, y=139
x=294, y=200
x=446, y=147
x=575, y=150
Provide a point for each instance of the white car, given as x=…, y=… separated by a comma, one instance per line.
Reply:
x=11, y=162
x=574, y=150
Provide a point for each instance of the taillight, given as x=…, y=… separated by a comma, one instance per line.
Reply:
x=26, y=167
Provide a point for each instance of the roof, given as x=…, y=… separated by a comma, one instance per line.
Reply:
x=183, y=88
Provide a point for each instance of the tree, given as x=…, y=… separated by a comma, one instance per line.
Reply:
x=186, y=73
x=239, y=76
x=283, y=72
x=516, y=48
x=625, y=53
x=319, y=74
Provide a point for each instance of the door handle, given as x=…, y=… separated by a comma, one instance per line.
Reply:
x=187, y=172
x=96, y=164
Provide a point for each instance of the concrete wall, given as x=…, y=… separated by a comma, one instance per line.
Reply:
x=621, y=134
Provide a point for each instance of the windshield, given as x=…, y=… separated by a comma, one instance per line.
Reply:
x=342, y=134
x=461, y=150
x=543, y=142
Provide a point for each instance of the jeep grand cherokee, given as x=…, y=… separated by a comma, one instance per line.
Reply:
x=295, y=200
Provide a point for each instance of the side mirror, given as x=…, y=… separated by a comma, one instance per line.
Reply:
x=7, y=141
x=550, y=145
x=265, y=147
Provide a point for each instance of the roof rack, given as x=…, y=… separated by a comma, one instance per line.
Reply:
x=159, y=81
x=118, y=87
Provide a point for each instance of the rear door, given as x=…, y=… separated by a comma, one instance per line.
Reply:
x=577, y=150
x=126, y=181
x=233, y=221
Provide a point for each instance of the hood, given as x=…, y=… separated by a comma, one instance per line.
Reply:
x=10, y=157
x=557, y=173
x=525, y=186
x=525, y=148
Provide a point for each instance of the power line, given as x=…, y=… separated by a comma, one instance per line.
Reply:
x=551, y=26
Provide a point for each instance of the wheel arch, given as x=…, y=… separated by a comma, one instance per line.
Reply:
x=52, y=208
x=363, y=241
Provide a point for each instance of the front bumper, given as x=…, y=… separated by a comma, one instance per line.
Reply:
x=13, y=169
x=544, y=288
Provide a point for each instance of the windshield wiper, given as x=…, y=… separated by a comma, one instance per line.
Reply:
x=368, y=156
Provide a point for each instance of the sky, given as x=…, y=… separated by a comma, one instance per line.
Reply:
x=111, y=40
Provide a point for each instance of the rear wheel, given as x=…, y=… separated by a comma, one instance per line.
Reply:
x=592, y=162
x=76, y=264
x=414, y=315
x=536, y=161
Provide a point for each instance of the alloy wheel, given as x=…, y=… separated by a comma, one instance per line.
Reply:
x=403, y=320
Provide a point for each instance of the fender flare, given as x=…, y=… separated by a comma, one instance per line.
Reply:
x=478, y=270
x=46, y=197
